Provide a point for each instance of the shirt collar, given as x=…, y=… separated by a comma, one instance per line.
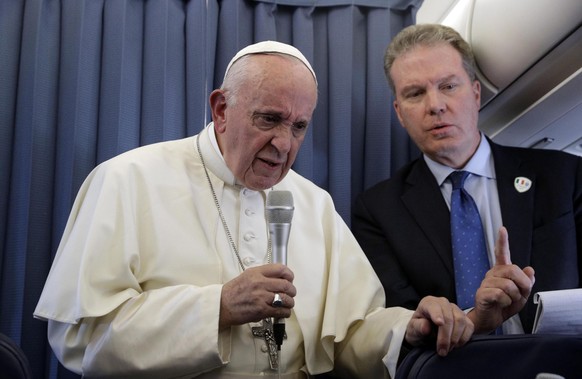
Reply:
x=214, y=141
x=481, y=163
x=213, y=157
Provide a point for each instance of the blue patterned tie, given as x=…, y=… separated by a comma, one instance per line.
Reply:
x=469, y=250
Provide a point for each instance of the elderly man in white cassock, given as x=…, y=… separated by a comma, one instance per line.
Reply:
x=165, y=268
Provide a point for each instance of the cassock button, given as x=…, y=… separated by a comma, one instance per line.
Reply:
x=249, y=236
x=247, y=261
x=264, y=348
x=249, y=212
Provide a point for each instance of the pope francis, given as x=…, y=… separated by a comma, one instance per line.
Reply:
x=165, y=268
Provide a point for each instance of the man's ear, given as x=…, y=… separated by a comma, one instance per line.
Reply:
x=477, y=92
x=217, y=102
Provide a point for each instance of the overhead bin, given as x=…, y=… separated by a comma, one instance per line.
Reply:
x=527, y=53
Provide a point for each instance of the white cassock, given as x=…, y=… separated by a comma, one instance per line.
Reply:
x=135, y=286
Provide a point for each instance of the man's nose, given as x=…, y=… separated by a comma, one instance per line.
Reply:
x=282, y=138
x=435, y=102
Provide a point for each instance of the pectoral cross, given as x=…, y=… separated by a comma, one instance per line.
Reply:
x=265, y=331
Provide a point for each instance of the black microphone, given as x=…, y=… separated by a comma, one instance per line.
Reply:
x=279, y=211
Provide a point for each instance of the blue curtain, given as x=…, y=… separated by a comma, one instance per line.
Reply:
x=84, y=80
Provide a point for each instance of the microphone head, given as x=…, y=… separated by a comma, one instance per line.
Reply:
x=279, y=207
x=547, y=375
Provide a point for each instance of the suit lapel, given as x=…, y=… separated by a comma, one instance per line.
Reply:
x=516, y=207
x=516, y=211
x=424, y=201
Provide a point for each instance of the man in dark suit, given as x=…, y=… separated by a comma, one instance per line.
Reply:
x=532, y=196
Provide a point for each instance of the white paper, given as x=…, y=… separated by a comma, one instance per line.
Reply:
x=559, y=312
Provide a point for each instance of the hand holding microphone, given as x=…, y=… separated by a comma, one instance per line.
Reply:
x=279, y=211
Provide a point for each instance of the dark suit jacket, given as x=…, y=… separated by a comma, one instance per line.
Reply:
x=403, y=226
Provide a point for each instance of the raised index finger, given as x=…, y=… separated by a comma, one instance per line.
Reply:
x=502, y=256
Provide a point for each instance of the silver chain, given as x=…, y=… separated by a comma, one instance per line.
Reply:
x=224, y=224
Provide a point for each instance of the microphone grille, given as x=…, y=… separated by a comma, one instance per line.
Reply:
x=547, y=375
x=279, y=207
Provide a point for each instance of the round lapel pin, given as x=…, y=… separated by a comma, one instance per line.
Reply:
x=522, y=184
